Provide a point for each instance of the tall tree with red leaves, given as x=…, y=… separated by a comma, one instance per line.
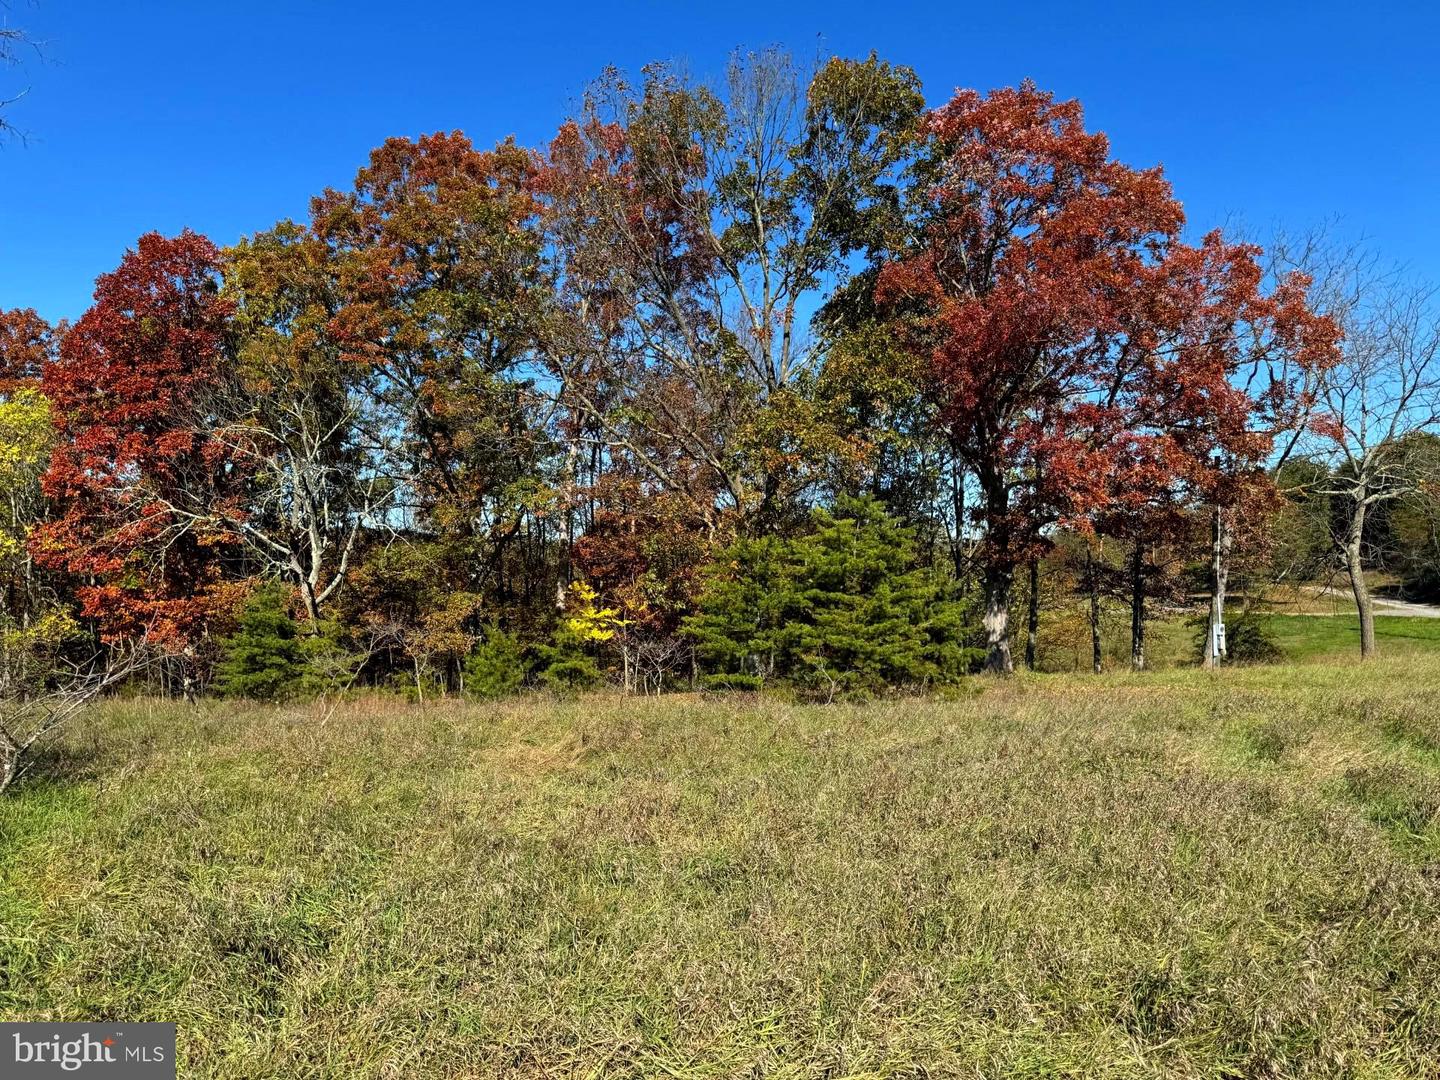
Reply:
x=126, y=390
x=1063, y=320
x=27, y=343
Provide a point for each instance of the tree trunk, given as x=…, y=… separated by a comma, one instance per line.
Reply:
x=957, y=508
x=189, y=689
x=1364, y=603
x=10, y=756
x=1221, y=542
x=1032, y=616
x=999, y=575
x=1137, y=607
x=1095, y=654
x=312, y=606
x=998, y=580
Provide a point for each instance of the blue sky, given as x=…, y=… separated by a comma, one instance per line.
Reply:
x=226, y=117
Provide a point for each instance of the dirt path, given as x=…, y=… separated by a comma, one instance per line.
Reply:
x=1383, y=605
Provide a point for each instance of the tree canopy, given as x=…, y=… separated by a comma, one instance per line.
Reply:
x=790, y=378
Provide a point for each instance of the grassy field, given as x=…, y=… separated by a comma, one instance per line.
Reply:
x=1179, y=874
x=1175, y=641
x=1311, y=637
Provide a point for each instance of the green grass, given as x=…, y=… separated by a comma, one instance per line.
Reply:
x=1174, y=641
x=1307, y=637
x=1179, y=874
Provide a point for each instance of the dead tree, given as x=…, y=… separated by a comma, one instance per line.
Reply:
x=31, y=715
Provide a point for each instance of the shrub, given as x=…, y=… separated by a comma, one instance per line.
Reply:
x=329, y=665
x=1422, y=582
x=570, y=672
x=1247, y=641
x=733, y=681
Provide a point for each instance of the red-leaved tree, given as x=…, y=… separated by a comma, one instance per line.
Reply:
x=1075, y=339
x=125, y=390
x=27, y=343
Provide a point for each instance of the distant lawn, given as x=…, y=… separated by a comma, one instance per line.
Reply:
x=1306, y=637
x=1181, y=874
x=1174, y=641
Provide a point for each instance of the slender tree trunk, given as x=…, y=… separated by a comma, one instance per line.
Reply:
x=1095, y=654
x=998, y=580
x=957, y=508
x=999, y=575
x=1220, y=544
x=1032, y=616
x=1364, y=603
x=1137, y=607
x=189, y=684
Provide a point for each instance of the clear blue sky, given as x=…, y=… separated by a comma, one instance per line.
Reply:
x=226, y=117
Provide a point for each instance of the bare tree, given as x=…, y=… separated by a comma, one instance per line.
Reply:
x=14, y=43
x=1371, y=406
x=320, y=480
x=314, y=483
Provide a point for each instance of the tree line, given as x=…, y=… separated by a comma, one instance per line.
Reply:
x=792, y=377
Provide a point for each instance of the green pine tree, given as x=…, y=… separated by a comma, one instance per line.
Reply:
x=265, y=657
x=562, y=664
x=744, y=626
x=496, y=668
x=873, y=616
x=847, y=606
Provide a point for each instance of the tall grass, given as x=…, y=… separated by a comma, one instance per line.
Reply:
x=1179, y=874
